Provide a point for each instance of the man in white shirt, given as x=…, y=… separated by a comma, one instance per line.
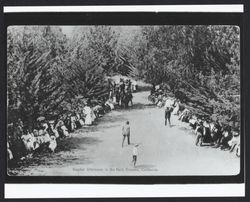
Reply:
x=168, y=109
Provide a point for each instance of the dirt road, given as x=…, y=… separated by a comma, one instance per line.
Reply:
x=97, y=150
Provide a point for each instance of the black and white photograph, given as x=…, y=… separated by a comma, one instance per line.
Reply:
x=123, y=100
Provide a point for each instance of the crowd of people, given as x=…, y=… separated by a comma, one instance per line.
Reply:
x=24, y=140
x=121, y=92
x=207, y=132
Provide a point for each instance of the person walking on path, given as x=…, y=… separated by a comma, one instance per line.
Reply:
x=168, y=111
x=135, y=153
x=126, y=133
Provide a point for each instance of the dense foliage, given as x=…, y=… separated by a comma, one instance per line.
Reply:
x=48, y=72
x=200, y=65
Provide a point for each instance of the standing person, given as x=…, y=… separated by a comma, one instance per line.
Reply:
x=134, y=84
x=114, y=93
x=227, y=136
x=199, y=133
x=168, y=111
x=135, y=154
x=118, y=96
x=130, y=86
x=122, y=86
x=88, y=117
x=114, y=86
x=111, y=94
x=130, y=98
x=126, y=133
x=152, y=91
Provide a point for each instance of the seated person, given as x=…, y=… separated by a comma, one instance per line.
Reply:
x=51, y=130
x=176, y=110
x=67, y=123
x=207, y=132
x=235, y=141
x=73, y=122
x=99, y=109
x=79, y=123
x=237, y=150
x=44, y=136
x=62, y=129
x=193, y=122
x=199, y=133
x=52, y=144
x=110, y=104
x=183, y=114
x=216, y=132
x=226, y=137
x=28, y=141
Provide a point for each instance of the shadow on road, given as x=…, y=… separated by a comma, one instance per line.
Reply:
x=187, y=130
x=69, y=150
x=105, y=122
x=142, y=106
x=108, y=118
x=136, y=106
x=75, y=142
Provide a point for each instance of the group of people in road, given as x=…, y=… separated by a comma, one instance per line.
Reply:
x=207, y=132
x=121, y=93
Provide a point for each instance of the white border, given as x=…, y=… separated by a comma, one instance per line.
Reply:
x=118, y=191
x=222, y=8
x=112, y=191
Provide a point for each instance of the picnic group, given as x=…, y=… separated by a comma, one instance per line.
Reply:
x=25, y=140
x=207, y=132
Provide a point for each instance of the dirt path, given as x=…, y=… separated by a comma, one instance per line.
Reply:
x=97, y=150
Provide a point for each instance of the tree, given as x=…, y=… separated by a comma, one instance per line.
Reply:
x=199, y=64
x=34, y=57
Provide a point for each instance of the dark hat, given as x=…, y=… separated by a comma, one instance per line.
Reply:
x=200, y=122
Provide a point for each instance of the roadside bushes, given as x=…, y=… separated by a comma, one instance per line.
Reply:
x=199, y=64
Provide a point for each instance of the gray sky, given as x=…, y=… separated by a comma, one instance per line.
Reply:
x=67, y=30
x=124, y=29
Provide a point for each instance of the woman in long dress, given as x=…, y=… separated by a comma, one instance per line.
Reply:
x=87, y=111
x=93, y=116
